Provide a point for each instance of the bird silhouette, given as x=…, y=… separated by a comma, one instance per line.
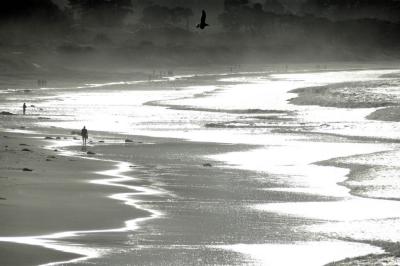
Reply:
x=202, y=23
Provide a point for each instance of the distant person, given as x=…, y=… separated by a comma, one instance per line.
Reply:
x=202, y=23
x=24, y=108
x=85, y=135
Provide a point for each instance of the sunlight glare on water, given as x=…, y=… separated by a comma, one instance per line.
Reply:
x=302, y=253
x=249, y=111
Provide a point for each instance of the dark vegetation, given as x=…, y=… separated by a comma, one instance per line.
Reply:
x=35, y=34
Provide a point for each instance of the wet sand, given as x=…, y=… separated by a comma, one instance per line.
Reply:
x=199, y=208
x=203, y=210
x=55, y=196
x=380, y=94
x=16, y=254
x=202, y=206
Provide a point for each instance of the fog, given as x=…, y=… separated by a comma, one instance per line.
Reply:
x=199, y=132
x=139, y=33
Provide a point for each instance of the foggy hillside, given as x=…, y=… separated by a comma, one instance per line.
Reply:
x=140, y=33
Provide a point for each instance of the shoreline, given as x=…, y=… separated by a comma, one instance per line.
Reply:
x=57, y=242
x=113, y=177
x=98, y=148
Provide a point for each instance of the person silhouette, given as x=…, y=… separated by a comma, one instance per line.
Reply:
x=24, y=108
x=85, y=135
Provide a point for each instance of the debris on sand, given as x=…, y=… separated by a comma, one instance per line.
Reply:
x=27, y=170
x=207, y=165
x=6, y=113
x=101, y=141
x=23, y=144
x=128, y=140
x=26, y=149
x=90, y=153
x=47, y=137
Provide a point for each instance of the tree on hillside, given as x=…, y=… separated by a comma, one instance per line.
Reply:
x=274, y=6
x=161, y=16
x=38, y=10
x=353, y=9
x=232, y=18
x=241, y=15
x=102, y=12
x=235, y=5
x=259, y=18
x=181, y=14
x=155, y=16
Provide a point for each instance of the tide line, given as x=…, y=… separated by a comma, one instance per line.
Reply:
x=55, y=241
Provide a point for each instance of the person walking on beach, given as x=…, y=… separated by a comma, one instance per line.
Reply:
x=24, y=108
x=84, y=134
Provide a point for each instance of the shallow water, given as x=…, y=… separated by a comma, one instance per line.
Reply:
x=254, y=109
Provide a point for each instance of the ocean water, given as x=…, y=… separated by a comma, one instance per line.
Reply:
x=307, y=150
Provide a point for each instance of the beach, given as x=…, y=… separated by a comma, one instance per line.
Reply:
x=204, y=169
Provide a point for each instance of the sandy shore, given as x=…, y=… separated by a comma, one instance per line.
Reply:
x=356, y=95
x=16, y=254
x=56, y=196
x=167, y=205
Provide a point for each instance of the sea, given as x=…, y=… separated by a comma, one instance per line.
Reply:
x=325, y=147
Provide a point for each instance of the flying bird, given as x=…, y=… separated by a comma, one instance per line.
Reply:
x=202, y=23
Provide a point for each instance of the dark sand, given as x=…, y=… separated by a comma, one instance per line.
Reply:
x=53, y=197
x=386, y=114
x=15, y=254
x=355, y=95
x=344, y=95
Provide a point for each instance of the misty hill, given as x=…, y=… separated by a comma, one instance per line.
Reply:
x=125, y=33
x=353, y=9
